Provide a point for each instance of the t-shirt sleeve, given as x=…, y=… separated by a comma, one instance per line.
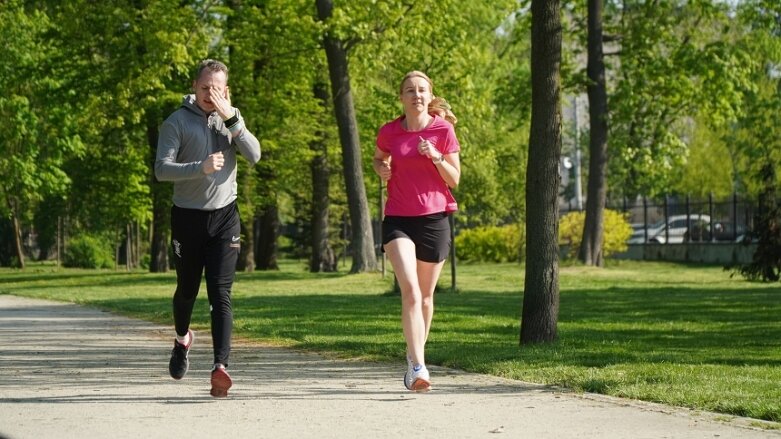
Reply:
x=451, y=141
x=382, y=140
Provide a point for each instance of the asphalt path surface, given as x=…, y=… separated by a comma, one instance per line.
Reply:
x=68, y=371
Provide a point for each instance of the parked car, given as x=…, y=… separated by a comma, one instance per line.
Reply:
x=722, y=231
x=674, y=231
x=638, y=233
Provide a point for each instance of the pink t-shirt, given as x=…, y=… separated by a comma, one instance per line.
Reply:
x=415, y=187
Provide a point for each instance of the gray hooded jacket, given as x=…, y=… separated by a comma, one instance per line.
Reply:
x=187, y=138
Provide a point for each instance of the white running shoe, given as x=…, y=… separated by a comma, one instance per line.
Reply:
x=417, y=378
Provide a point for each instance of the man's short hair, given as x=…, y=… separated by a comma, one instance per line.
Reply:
x=211, y=65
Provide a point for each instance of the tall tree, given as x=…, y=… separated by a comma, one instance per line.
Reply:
x=121, y=63
x=756, y=136
x=765, y=263
x=37, y=138
x=541, y=285
x=161, y=203
x=322, y=257
x=364, y=258
x=182, y=41
x=674, y=61
x=275, y=60
x=593, y=230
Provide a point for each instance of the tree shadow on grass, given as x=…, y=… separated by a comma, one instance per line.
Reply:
x=597, y=327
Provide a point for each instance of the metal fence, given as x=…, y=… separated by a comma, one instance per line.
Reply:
x=681, y=219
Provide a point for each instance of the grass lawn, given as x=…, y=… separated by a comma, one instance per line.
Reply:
x=684, y=335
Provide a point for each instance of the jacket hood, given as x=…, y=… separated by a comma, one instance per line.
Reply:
x=188, y=102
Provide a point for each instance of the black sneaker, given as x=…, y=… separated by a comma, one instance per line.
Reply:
x=179, y=363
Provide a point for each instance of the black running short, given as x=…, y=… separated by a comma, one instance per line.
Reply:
x=429, y=233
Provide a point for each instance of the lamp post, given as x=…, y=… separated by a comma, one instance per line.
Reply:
x=578, y=186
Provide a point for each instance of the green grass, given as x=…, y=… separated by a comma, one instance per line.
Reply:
x=684, y=335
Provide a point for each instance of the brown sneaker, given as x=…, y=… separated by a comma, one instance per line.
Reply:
x=221, y=382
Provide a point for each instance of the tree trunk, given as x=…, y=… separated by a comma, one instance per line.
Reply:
x=323, y=258
x=765, y=264
x=128, y=248
x=159, y=247
x=246, y=261
x=768, y=252
x=593, y=230
x=362, y=239
x=6, y=243
x=266, y=216
x=541, y=286
x=161, y=205
x=247, y=188
x=268, y=229
x=17, y=240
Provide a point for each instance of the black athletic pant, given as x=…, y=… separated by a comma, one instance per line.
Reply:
x=206, y=239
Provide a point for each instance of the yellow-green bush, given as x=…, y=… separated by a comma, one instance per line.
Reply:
x=617, y=232
x=490, y=244
x=89, y=251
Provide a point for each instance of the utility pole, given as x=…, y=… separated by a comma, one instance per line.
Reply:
x=381, y=210
x=578, y=185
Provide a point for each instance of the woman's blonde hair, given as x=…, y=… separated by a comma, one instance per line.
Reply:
x=418, y=74
x=438, y=105
x=441, y=108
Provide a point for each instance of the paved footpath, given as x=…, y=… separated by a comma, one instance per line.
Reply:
x=73, y=372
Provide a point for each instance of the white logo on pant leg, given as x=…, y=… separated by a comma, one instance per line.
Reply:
x=234, y=238
x=177, y=248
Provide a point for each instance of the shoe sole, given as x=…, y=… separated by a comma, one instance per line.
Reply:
x=177, y=378
x=220, y=385
x=421, y=385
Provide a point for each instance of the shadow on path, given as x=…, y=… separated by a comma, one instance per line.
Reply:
x=72, y=372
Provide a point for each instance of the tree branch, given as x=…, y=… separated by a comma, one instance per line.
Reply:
x=379, y=29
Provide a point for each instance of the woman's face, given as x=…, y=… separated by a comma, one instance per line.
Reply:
x=415, y=95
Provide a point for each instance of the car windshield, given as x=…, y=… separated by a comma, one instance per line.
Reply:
x=657, y=225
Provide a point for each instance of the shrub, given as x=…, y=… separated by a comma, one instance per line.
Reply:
x=616, y=226
x=146, y=260
x=89, y=251
x=765, y=264
x=490, y=244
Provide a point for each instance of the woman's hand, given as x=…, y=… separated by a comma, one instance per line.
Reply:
x=427, y=149
x=384, y=170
